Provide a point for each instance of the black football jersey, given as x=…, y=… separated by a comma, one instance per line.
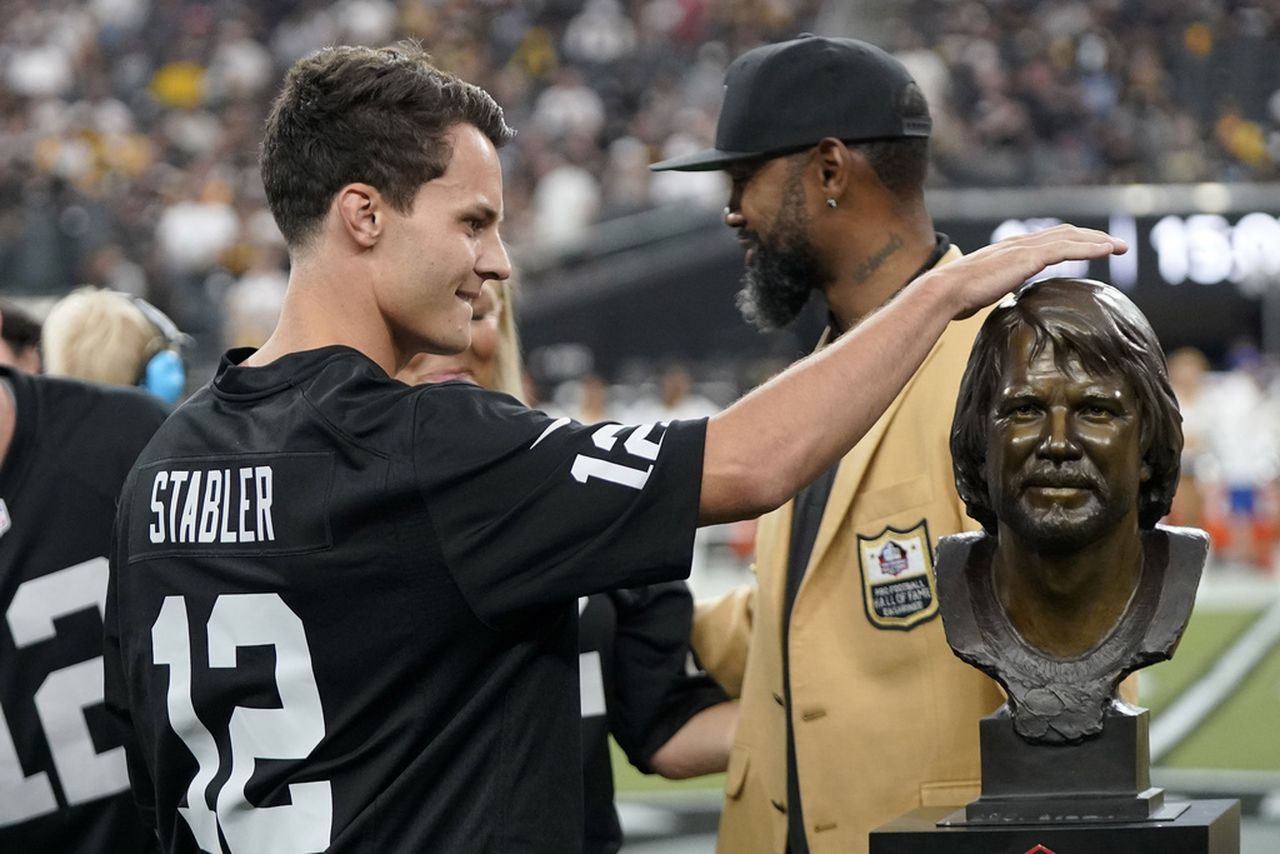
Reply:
x=342, y=611
x=637, y=683
x=63, y=782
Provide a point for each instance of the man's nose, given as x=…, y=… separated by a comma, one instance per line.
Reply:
x=733, y=217
x=494, y=263
x=1059, y=439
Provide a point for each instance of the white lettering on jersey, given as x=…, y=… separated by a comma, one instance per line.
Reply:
x=638, y=444
x=187, y=530
x=551, y=428
x=290, y=731
x=235, y=506
x=591, y=684
x=590, y=676
x=156, y=531
x=62, y=702
x=209, y=509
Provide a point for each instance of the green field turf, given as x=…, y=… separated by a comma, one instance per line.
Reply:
x=1208, y=634
x=1242, y=732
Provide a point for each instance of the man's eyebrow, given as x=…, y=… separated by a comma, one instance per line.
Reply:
x=486, y=212
x=1115, y=392
x=1015, y=391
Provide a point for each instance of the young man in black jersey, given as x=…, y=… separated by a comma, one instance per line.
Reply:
x=66, y=447
x=341, y=614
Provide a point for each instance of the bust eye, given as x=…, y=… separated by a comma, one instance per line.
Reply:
x=1097, y=411
x=1021, y=411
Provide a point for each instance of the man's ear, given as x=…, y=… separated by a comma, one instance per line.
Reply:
x=835, y=165
x=362, y=212
x=1144, y=472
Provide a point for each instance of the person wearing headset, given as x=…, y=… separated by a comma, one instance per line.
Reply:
x=115, y=338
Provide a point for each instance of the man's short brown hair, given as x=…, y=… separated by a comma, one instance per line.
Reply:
x=358, y=114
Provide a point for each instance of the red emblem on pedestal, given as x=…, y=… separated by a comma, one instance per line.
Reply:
x=1039, y=849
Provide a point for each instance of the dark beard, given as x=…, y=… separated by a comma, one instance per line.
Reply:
x=1059, y=531
x=777, y=284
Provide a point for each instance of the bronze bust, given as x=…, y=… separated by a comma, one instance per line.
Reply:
x=1066, y=444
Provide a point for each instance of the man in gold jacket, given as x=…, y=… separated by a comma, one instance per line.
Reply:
x=853, y=708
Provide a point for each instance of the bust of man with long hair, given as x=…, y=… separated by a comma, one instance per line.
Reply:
x=1066, y=443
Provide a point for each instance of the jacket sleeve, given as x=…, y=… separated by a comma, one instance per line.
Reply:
x=653, y=693
x=721, y=635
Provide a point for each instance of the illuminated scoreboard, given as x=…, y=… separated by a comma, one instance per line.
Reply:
x=1201, y=249
x=1204, y=279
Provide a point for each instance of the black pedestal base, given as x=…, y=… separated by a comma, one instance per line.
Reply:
x=1103, y=778
x=1205, y=827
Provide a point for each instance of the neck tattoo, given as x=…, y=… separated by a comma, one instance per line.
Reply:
x=864, y=270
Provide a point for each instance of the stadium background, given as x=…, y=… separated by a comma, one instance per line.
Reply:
x=128, y=132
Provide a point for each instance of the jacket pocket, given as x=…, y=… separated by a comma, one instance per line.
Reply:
x=952, y=793
x=888, y=500
x=736, y=774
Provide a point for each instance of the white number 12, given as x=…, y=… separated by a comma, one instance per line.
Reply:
x=638, y=444
x=289, y=732
x=60, y=701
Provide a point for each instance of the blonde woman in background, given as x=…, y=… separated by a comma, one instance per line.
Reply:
x=633, y=645
x=114, y=338
x=493, y=359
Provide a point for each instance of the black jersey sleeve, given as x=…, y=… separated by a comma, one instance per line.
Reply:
x=655, y=691
x=530, y=510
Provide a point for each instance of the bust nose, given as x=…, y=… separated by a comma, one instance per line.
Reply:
x=1059, y=441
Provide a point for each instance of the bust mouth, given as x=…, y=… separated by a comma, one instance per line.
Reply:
x=1062, y=491
x=1065, y=482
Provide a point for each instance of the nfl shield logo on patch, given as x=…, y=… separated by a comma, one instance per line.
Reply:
x=898, y=586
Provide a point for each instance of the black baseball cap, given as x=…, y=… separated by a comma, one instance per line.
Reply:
x=790, y=95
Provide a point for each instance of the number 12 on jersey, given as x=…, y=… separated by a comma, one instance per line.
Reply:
x=638, y=444
x=289, y=732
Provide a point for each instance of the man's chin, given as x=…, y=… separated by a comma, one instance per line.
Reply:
x=1058, y=531
x=768, y=304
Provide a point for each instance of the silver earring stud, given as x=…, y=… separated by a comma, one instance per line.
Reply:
x=831, y=203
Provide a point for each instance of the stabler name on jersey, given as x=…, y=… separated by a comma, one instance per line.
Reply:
x=229, y=505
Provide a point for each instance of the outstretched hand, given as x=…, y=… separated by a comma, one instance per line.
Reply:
x=979, y=279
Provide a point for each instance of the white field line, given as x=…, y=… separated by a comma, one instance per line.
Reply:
x=1217, y=782
x=1231, y=669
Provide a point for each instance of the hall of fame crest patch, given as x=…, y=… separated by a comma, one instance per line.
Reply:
x=898, y=586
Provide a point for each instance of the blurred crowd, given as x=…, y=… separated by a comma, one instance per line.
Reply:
x=1096, y=91
x=129, y=128
x=1230, y=483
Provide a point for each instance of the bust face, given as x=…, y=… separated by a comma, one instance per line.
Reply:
x=1064, y=457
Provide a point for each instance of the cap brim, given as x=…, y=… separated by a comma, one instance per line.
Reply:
x=702, y=161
